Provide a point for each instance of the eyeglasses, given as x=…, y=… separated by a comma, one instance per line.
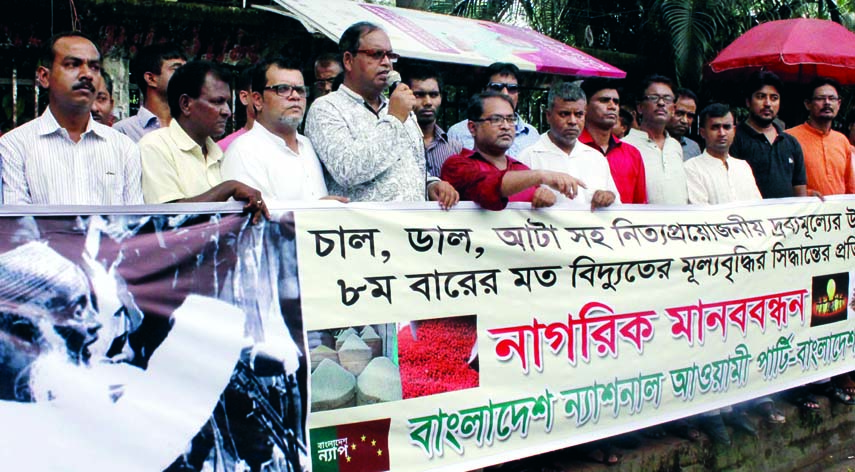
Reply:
x=422, y=94
x=499, y=86
x=498, y=120
x=827, y=98
x=284, y=90
x=379, y=54
x=668, y=99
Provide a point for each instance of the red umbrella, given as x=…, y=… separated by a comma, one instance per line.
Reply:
x=797, y=50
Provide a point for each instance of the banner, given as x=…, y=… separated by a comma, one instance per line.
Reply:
x=482, y=337
x=431, y=340
x=148, y=343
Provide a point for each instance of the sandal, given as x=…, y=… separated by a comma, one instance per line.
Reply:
x=805, y=400
x=771, y=414
x=604, y=455
x=684, y=429
x=845, y=383
x=837, y=394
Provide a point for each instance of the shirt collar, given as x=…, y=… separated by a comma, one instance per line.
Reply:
x=708, y=156
x=147, y=119
x=520, y=127
x=545, y=144
x=815, y=131
x=276, y=140
x=49, y=125
x=439, y=134
x=587, y=139
x=360, y=99
x=753, y=132
x=186, y=144
x=477, y=156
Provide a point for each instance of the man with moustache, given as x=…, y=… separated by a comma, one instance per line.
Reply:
x=601, y=115
x=102, y=107
x=181, y=163
x=371, y=146
x=775, y=157
x=487, y=175
x=559, y=149
x=662, y=154
x=828, y=161
x=681, y=122
x=64, y=157
x=426, y=84
x=272, y=157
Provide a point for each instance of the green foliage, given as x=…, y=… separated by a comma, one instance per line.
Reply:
x=695, y=30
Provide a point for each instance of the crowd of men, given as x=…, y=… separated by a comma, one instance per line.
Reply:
x=362, y=145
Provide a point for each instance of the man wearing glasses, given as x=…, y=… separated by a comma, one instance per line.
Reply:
x=828, y=162
x=662, y=154
x=426, y=84
x=503, y=78
x=371, y=146
x=272, y=157
x=487, y=175
x=327, y=68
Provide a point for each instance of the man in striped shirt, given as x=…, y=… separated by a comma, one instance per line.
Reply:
x=426, y=84
x=64, y=157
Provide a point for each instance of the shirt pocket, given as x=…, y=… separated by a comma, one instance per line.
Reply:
x=109, y=187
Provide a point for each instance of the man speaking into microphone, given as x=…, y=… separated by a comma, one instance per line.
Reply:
x=371, y=147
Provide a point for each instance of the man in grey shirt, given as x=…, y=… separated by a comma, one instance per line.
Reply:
x=372, y=147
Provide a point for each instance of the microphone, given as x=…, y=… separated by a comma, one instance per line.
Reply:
x=393, y=78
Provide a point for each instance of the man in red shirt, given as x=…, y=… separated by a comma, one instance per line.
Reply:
x=489, y=177
x=625, y=161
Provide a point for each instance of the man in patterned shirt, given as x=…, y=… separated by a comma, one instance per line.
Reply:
x=372, y=147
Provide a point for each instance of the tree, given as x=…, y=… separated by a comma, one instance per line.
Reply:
x=695, y=30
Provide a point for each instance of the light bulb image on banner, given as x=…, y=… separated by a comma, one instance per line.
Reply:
x=830, y=299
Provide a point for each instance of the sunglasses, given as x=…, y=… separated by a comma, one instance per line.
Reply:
x=499, y=86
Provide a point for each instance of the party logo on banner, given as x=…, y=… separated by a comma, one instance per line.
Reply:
x=357, y=447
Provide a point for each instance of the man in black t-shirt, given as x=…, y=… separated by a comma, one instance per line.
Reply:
x=776, y=158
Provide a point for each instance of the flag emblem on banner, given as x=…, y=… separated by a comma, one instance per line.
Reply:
x=357, y=447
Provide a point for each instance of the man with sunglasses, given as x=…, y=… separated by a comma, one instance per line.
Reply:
x=371, y=146
x=272, y=156
x=502, y=77
x=327, y=68
x=487, y=175
x=828, y=162
x=662, y=154
x=426, y=84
